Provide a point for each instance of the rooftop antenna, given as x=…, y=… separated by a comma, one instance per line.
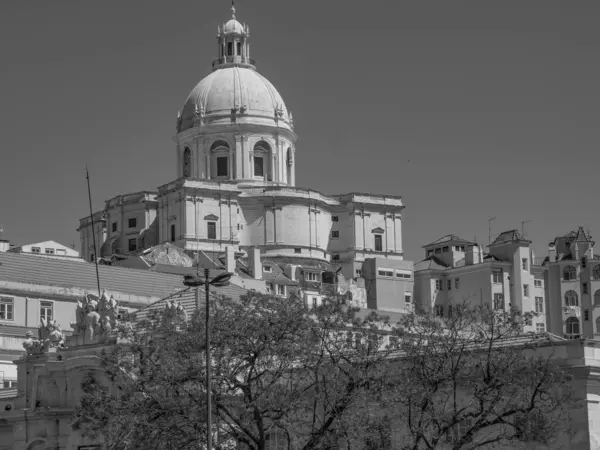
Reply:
x=87, y=176
x=523, y=227
x=490, y=229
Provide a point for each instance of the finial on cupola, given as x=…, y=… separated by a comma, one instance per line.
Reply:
x=233, y=9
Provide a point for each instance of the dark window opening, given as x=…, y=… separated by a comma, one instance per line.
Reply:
x=222, y=166
x=229, y=48
x=132, y=244
x=297, y=250
x=114, y=226
x=211, y=228
x=173, y=233
x=335, y=234
x=259, y=168
x=187, y=162
x=239, y=49
x=132, y=223
x=378, y=243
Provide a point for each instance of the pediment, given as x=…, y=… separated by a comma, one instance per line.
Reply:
x=211, y=217
x=378, y=230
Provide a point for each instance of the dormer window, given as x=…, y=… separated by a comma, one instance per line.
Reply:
x=267, y=269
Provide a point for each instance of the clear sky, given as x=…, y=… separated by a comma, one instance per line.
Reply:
x=468, y=109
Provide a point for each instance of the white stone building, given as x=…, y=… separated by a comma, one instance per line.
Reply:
x=235, y=163
x=49, y=249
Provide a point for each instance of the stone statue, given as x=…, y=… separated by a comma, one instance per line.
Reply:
x=96, y=319
x=174, y=313
x=32, y=346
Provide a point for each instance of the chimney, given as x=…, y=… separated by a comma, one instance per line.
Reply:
x=473, y=255
x=229, y=259
x=551, y=252
x=290, y=272
x=254, y=263
x=4, y=245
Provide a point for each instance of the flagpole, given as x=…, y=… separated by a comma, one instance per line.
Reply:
x=87, y=176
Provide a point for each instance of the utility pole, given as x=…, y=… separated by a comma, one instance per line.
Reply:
x=490, y=229
x=523, y=227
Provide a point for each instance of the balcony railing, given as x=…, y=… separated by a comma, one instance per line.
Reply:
x=233, y=60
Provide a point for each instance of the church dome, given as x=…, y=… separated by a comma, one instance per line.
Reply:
x=235, y=90
x=233, y=26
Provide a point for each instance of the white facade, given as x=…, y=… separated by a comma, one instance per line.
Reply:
x=235, y=159
x=51, y=249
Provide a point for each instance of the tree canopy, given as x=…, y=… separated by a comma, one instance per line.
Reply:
x=288, y=377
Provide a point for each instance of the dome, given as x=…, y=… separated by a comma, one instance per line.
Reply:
x=235, y=88
x=233, y=26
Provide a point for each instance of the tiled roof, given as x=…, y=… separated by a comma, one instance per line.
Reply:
x=187, y=298
x=508, y=236
x=26, y=268
x=581, y=235
x=14, y=330
x=449, y=238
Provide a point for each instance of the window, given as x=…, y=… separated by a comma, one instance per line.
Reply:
x=457, y=248
x=230, y=49
x=312, y=276
x=498, y=302
x=445, y=249
x=539, y=304
x=537, y=283
x=297, y=250
x=464, y=426
x=222, y=162
x=571, y=298
x=172, y=232
x=597, y=298
x=259, y=167
x=438, y=285
x=569, y=273
x=36, y=250
x=211, y=230
x=596, y=272
x=6, y=308
x=438, y=251
x=46, y=311
x=49, y=251
x=449, y=285
x=407, y=297
x=572, y=327
x=524, y=263
x=439, y=310
x=456, y=283
x=449, y=311
x=335, y=234
x=525, y=290
x=187, y=163
x=276, y=440
x=9, y=384
x=314, y=302
x=497, y=276
x=334, y=218
x=114, y=227
x=378, y=243
x=132, y=222
x=335, y=257
x=61, y=251
x=132, y=244
x=385, y=272
x=429, y=252
x=358, y=272
x=270, y=288
x=540, y=327
x=598, y=325
x=404, y=274
x=239, y=48
x=280, y=289
x=267, y=269
x=584, y=288
x=586, y=314
x=92, y=257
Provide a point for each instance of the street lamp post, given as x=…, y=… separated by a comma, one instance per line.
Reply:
x=196, y=281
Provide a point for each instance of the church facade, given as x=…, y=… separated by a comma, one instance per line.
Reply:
x=235, y=159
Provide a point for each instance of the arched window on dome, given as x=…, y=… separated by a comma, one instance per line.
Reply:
x=220, y=159
x=187, y=162
x=260, y=164
x=289, y=165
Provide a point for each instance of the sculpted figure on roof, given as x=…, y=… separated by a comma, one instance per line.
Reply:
x=96, y=317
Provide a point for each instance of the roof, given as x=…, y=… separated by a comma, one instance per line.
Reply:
x=187, y=298
x=581, y=236
x=431, y=262
x=449, y=238
x=509, y=236
x=30, y=269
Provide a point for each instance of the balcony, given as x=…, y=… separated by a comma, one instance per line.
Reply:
x=232, y=60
